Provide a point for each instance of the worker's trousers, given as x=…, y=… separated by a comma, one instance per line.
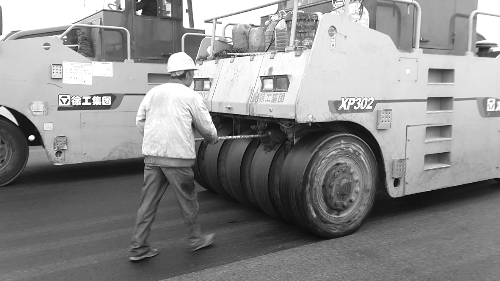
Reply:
x=156, y=181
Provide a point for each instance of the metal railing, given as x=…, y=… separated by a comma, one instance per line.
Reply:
x=471, y=26
x=214, y=20
x=36, y=32
x=294, y=19
x=67, y=29
x=101, y=27
x=224, y=27
x=183, y=39
x=419, y=19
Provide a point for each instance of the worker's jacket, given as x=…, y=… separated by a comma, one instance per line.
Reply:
x=167, y=117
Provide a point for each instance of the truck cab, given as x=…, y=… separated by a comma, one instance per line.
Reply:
x=153, y=38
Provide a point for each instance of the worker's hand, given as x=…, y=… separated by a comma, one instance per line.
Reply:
x=214, y=141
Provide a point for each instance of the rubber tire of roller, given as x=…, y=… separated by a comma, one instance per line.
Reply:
x=319, y=170
x=14, y=152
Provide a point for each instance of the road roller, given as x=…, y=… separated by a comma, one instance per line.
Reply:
x=344, y=100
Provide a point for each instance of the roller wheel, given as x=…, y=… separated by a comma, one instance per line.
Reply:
x=221, y=169
x=329, y=182
x=14, y=152
x=246, y=176
x=208, y=162
x=233, y=169
x=227, y=166
x=274, y=183
x=260, y=178
x=200, y=152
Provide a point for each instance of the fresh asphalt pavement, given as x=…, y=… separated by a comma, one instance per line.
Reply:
x=74, y=222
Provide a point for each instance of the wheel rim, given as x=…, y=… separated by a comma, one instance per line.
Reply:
x=328, y=183
x=5, y=154
x=340, y=188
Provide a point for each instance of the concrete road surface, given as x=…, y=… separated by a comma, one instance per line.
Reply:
x=74, y=222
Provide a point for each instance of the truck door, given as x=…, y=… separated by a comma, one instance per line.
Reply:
x=437, y=23
x=154, y=38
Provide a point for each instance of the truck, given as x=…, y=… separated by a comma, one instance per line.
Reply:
x=75, y=89
x=351, y=98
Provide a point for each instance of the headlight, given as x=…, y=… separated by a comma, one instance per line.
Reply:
x=267, y=84
x=282, y=83
x=278, y=83
x=202, y=84
x=206, y=85
x=198, y=85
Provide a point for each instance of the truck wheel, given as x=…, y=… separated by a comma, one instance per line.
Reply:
x=333, y=189
x=14, y=152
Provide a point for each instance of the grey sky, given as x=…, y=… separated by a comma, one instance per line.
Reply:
x=32, y=14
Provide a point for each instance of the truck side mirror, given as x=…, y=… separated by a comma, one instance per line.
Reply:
x=1, y=25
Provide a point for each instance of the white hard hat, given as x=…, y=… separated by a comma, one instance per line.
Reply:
x=180, y=61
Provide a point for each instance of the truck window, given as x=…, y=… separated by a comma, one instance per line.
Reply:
x=187, y=17
x=289, y=4
x=167, y=8
x=170, y=8
x=114, y=5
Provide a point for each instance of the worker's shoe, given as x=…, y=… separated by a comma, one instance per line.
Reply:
x=202, y=242
x=149, y=254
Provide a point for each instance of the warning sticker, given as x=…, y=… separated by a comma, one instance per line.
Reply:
x=103, y=69
x=77, y=73
x=489, y=107
x=49, y=126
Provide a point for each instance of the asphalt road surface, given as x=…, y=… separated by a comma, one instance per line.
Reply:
x=74, y=222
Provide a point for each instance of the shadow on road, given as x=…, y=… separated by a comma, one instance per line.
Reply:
x=47, y=173
x=438, y=198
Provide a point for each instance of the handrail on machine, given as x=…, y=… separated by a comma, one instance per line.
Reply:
x=183, y=38
x=214, y=20
x=294, y=19
x=471, y=26
x=67, y=29
x=102, y=27
x=419, y=19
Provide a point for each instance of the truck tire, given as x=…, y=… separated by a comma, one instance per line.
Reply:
x=332, y=189
x=14, y=152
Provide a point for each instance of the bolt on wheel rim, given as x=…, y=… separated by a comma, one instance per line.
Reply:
x=340, y=187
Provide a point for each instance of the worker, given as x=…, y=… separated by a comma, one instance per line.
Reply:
x=84, y=45
x=166, y=117
x=148, y=7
